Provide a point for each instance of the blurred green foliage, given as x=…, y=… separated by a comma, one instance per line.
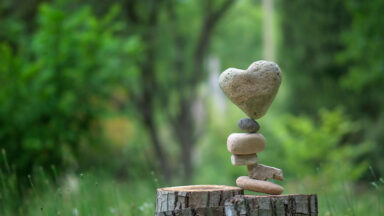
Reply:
x=363, y=56
x=245, y=28
x=314, y=148
x=331, y=53
x=55, y=84
x=311, y=40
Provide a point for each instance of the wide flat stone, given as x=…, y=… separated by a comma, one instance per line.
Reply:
x=242, y=160
x=263, y=172
x=253, y=89
x=245, y=143
x=247, y=183
x=248, y=125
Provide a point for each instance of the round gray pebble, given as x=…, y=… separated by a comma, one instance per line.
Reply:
x=248, y=125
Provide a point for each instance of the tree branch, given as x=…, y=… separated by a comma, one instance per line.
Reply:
x=210, y=23
x=131, y=12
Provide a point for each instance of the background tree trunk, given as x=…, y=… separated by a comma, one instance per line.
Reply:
x=154, y=96
x=188, y=124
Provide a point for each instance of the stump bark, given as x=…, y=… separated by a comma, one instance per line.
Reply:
x=212, y=200
x=292, y=205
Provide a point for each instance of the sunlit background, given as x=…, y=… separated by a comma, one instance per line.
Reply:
x=102, y=102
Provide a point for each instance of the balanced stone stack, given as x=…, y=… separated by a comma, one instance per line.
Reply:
x=253, y=91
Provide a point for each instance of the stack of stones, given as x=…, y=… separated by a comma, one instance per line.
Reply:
x=253, y=91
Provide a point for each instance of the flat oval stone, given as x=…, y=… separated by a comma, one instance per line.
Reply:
x=242, y=160
x=247, y=183
x=253, y=89
x=248, y=125
x=245, y=143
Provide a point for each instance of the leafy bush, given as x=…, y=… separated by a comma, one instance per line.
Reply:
x=54, y=86
x=363, y=57
x=318, y=149
x=332, y=55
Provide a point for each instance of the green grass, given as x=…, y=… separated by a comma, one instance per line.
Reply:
x=94, y=194
x=342, y=198
x=82, y=194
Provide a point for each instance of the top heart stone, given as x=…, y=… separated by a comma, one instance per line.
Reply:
x=254, y=89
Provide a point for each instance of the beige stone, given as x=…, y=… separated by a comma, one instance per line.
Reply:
x=242, y=160
x=247, y=183
x=245, y=143
x=253, y=89
x=263, y=172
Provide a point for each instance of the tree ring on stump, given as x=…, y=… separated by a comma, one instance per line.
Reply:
x=196, y=188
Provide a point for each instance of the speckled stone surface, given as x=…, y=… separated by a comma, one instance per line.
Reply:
x=263, y=172
x=245, y=143
x=247, y=183
x=253, y=89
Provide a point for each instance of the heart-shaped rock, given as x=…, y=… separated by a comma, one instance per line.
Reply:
x=254, y=89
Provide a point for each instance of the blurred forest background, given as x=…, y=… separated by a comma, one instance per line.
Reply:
x=101, y=102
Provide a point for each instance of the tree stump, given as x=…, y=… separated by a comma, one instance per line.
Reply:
x=293, y=205
x=194, y=200
x=212, y=200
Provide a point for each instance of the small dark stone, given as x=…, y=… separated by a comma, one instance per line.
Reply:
x=248, y=125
